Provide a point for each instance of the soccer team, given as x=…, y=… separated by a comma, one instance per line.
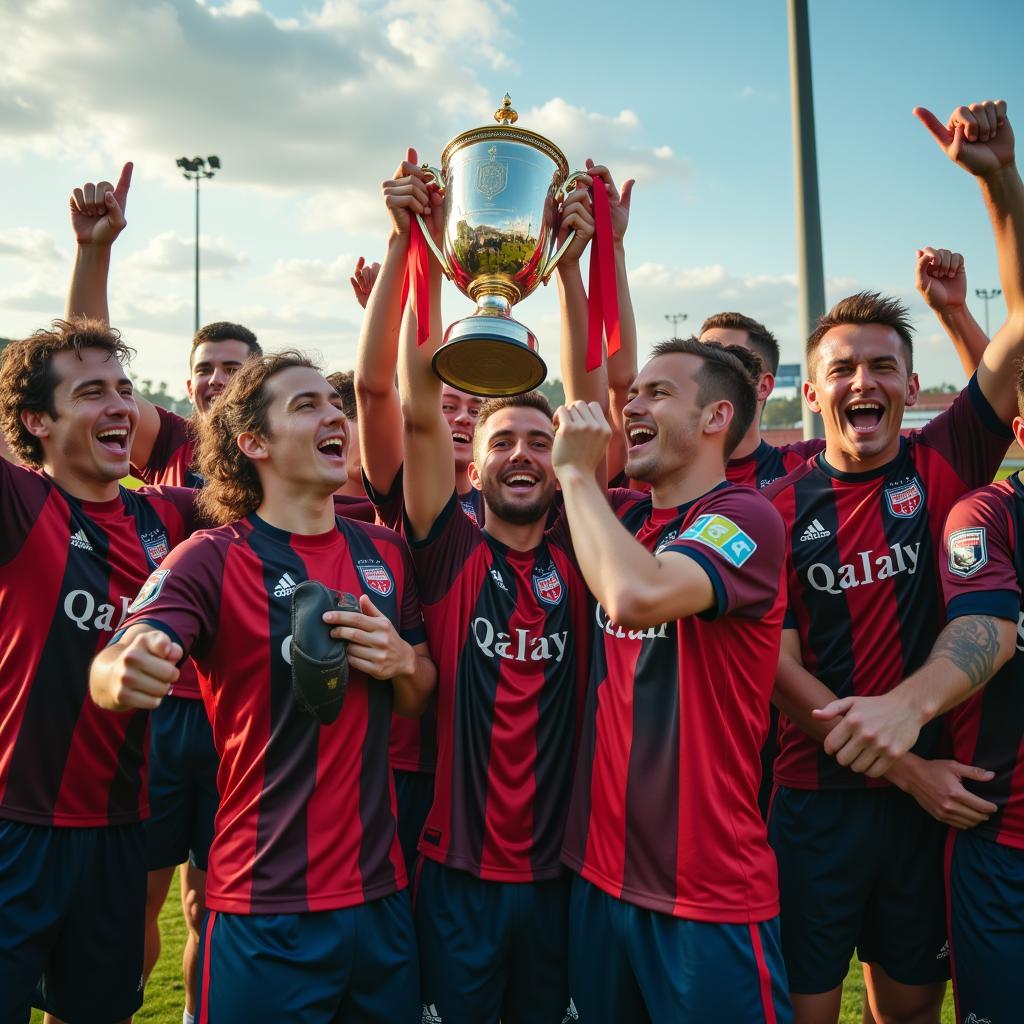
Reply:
x=646, y=719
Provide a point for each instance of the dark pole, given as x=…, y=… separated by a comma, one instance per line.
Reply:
x=987, y=295
x=192, y=170
x=810, y=268
x=197, y=254
x=675, y=319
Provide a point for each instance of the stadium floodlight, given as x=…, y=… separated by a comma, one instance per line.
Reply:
x=195, y=169
x=987, y=295
x=675, y=319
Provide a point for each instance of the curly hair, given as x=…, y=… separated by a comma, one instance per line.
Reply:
x=28, y=380
x=232, y=486
x=344, y=382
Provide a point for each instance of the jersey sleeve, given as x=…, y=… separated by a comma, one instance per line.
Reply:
x=970, y=436
x=390, y=507
x=410, y=626
x=182, y=597
x=978, y=572
x=23, y=492
x=739, y=541
x=170, y=438
x=440, y=556
x=185, y=501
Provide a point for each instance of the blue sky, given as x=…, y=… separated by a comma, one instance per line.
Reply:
x=309, y=106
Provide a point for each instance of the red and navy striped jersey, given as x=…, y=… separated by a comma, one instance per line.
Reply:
x=509, y=631
x=664, y=811
x=307, y=812
x=864, y=589
x=69, y=570
x=983, y=574
x=170, y=461
x=768, y=462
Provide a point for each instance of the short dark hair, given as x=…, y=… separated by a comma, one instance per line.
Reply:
x=724, y=375
x=28, y=380
x=232, y=487
x=223, y=330
x=344, y=382
x=1020, y=386
x=864, y=308
x=527, y=400
x=761, y=338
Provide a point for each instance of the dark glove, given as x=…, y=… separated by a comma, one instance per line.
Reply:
x=319, y=662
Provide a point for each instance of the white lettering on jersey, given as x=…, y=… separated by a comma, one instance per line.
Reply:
x=521, y=647
x=613, y=629
x=866, y=569
x=80, y=606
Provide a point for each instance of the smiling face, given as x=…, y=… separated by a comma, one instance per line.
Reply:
x=88, y=440
x=513, y=464
x=861, y=385
x=214, y=363
x=461, y=412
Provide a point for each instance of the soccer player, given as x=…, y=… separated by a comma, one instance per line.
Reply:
x=75, y=547
x=674, y=913
x=309, y=918
x=861, y=867
x=983, y=583
x=183, y=762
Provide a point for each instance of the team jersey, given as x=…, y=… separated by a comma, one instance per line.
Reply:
x=509, y=631
x=69, y=570
x=983, y=574
x=864, y=587
x=664, y=810
x=768, y=462
x=170, y=461
x=307, y=812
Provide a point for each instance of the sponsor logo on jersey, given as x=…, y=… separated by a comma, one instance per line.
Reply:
x=285, y=586
x=376, y=577
x=80, y=541
x=905, y=499
x=571, y=1013
x=722, y=535
x=430, y=1015
x=968, y=551
x=83, y=609
x=518, y=645
x=155, y=543
x=613, y=629
x=548, y=586
x=815, y=531
x=150, y=590
x=866, y=568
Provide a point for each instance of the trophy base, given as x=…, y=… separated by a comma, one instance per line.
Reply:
x=489, y=356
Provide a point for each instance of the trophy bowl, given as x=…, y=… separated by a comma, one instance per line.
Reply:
x=502, y=188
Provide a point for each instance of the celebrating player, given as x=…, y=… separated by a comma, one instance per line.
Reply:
x=308, y=919
x=74, y=550
x=863, y=521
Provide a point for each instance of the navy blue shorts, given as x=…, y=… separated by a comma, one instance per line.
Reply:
x=182, y=784
x=628, y=963
x=72, y=921
x=352, y=966
x=858, y=869
x=985, y=883
x=491, y=949
x=414, y=793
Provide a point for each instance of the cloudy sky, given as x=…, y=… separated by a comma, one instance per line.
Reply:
x=311, y=104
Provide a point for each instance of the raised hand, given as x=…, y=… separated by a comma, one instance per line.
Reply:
x=407, y=192
x=941, y=279
x=618, y=202
x=97, y=210
x=977, y=137
x=582, y=434
x=363, y=277
x=577, y=215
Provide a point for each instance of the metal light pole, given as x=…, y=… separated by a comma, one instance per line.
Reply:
x=194, y=170
x=676, y=319
x=987, y=295
x=810, y=269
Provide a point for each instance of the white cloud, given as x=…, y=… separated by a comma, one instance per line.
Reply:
x=29, y=245
x=170, y=252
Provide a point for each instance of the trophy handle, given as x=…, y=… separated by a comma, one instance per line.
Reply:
x=564, y=188
x=435, y=175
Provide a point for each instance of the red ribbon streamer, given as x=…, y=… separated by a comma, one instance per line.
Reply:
x=417, y=281
x=603, y=312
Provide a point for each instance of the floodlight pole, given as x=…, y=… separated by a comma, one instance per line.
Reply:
x=810, y=267
x=987, y=295
x=675, y=319
x=193, y=170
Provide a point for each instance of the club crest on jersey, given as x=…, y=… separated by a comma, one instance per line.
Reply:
x=905, y=499
x=155, y=543
x=150, y=590
x=548, y=586
x=376, y=577
x=968, y=551
x=724, y=536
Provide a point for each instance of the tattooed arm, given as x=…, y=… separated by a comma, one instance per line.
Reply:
x=874, y=731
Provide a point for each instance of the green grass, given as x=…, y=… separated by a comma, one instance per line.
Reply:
x=165, y=993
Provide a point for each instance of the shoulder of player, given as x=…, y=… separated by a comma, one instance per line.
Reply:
x=779, y=487
x=383, y=538
x=745, y=506
x=991, y=503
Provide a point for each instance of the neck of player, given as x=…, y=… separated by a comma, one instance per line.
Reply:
x=513, y=535
x=297, y=512
x=687, y=483
x=751, y=439
x=82, y=487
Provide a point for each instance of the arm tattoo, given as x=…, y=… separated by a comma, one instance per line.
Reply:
x=971, y=643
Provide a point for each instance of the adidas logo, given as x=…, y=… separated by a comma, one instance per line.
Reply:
x=285, y=586
x=79, y=540
x=430, y=1015
x=571, y=1014
x=815, y=532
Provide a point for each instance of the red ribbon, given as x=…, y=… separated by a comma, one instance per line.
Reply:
x=603, y=312
x=417, y=280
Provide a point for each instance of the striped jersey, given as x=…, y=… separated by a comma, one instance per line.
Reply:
x=768, y=462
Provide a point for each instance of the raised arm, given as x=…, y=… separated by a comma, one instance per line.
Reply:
x=979, y=139
x=377, y=402
x=941, y=280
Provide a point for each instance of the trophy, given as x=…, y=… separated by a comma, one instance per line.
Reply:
x=502, y=186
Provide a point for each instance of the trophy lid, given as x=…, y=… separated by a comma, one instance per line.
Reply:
x=505, y=131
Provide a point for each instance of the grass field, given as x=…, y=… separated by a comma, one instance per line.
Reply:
x=165, y=996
